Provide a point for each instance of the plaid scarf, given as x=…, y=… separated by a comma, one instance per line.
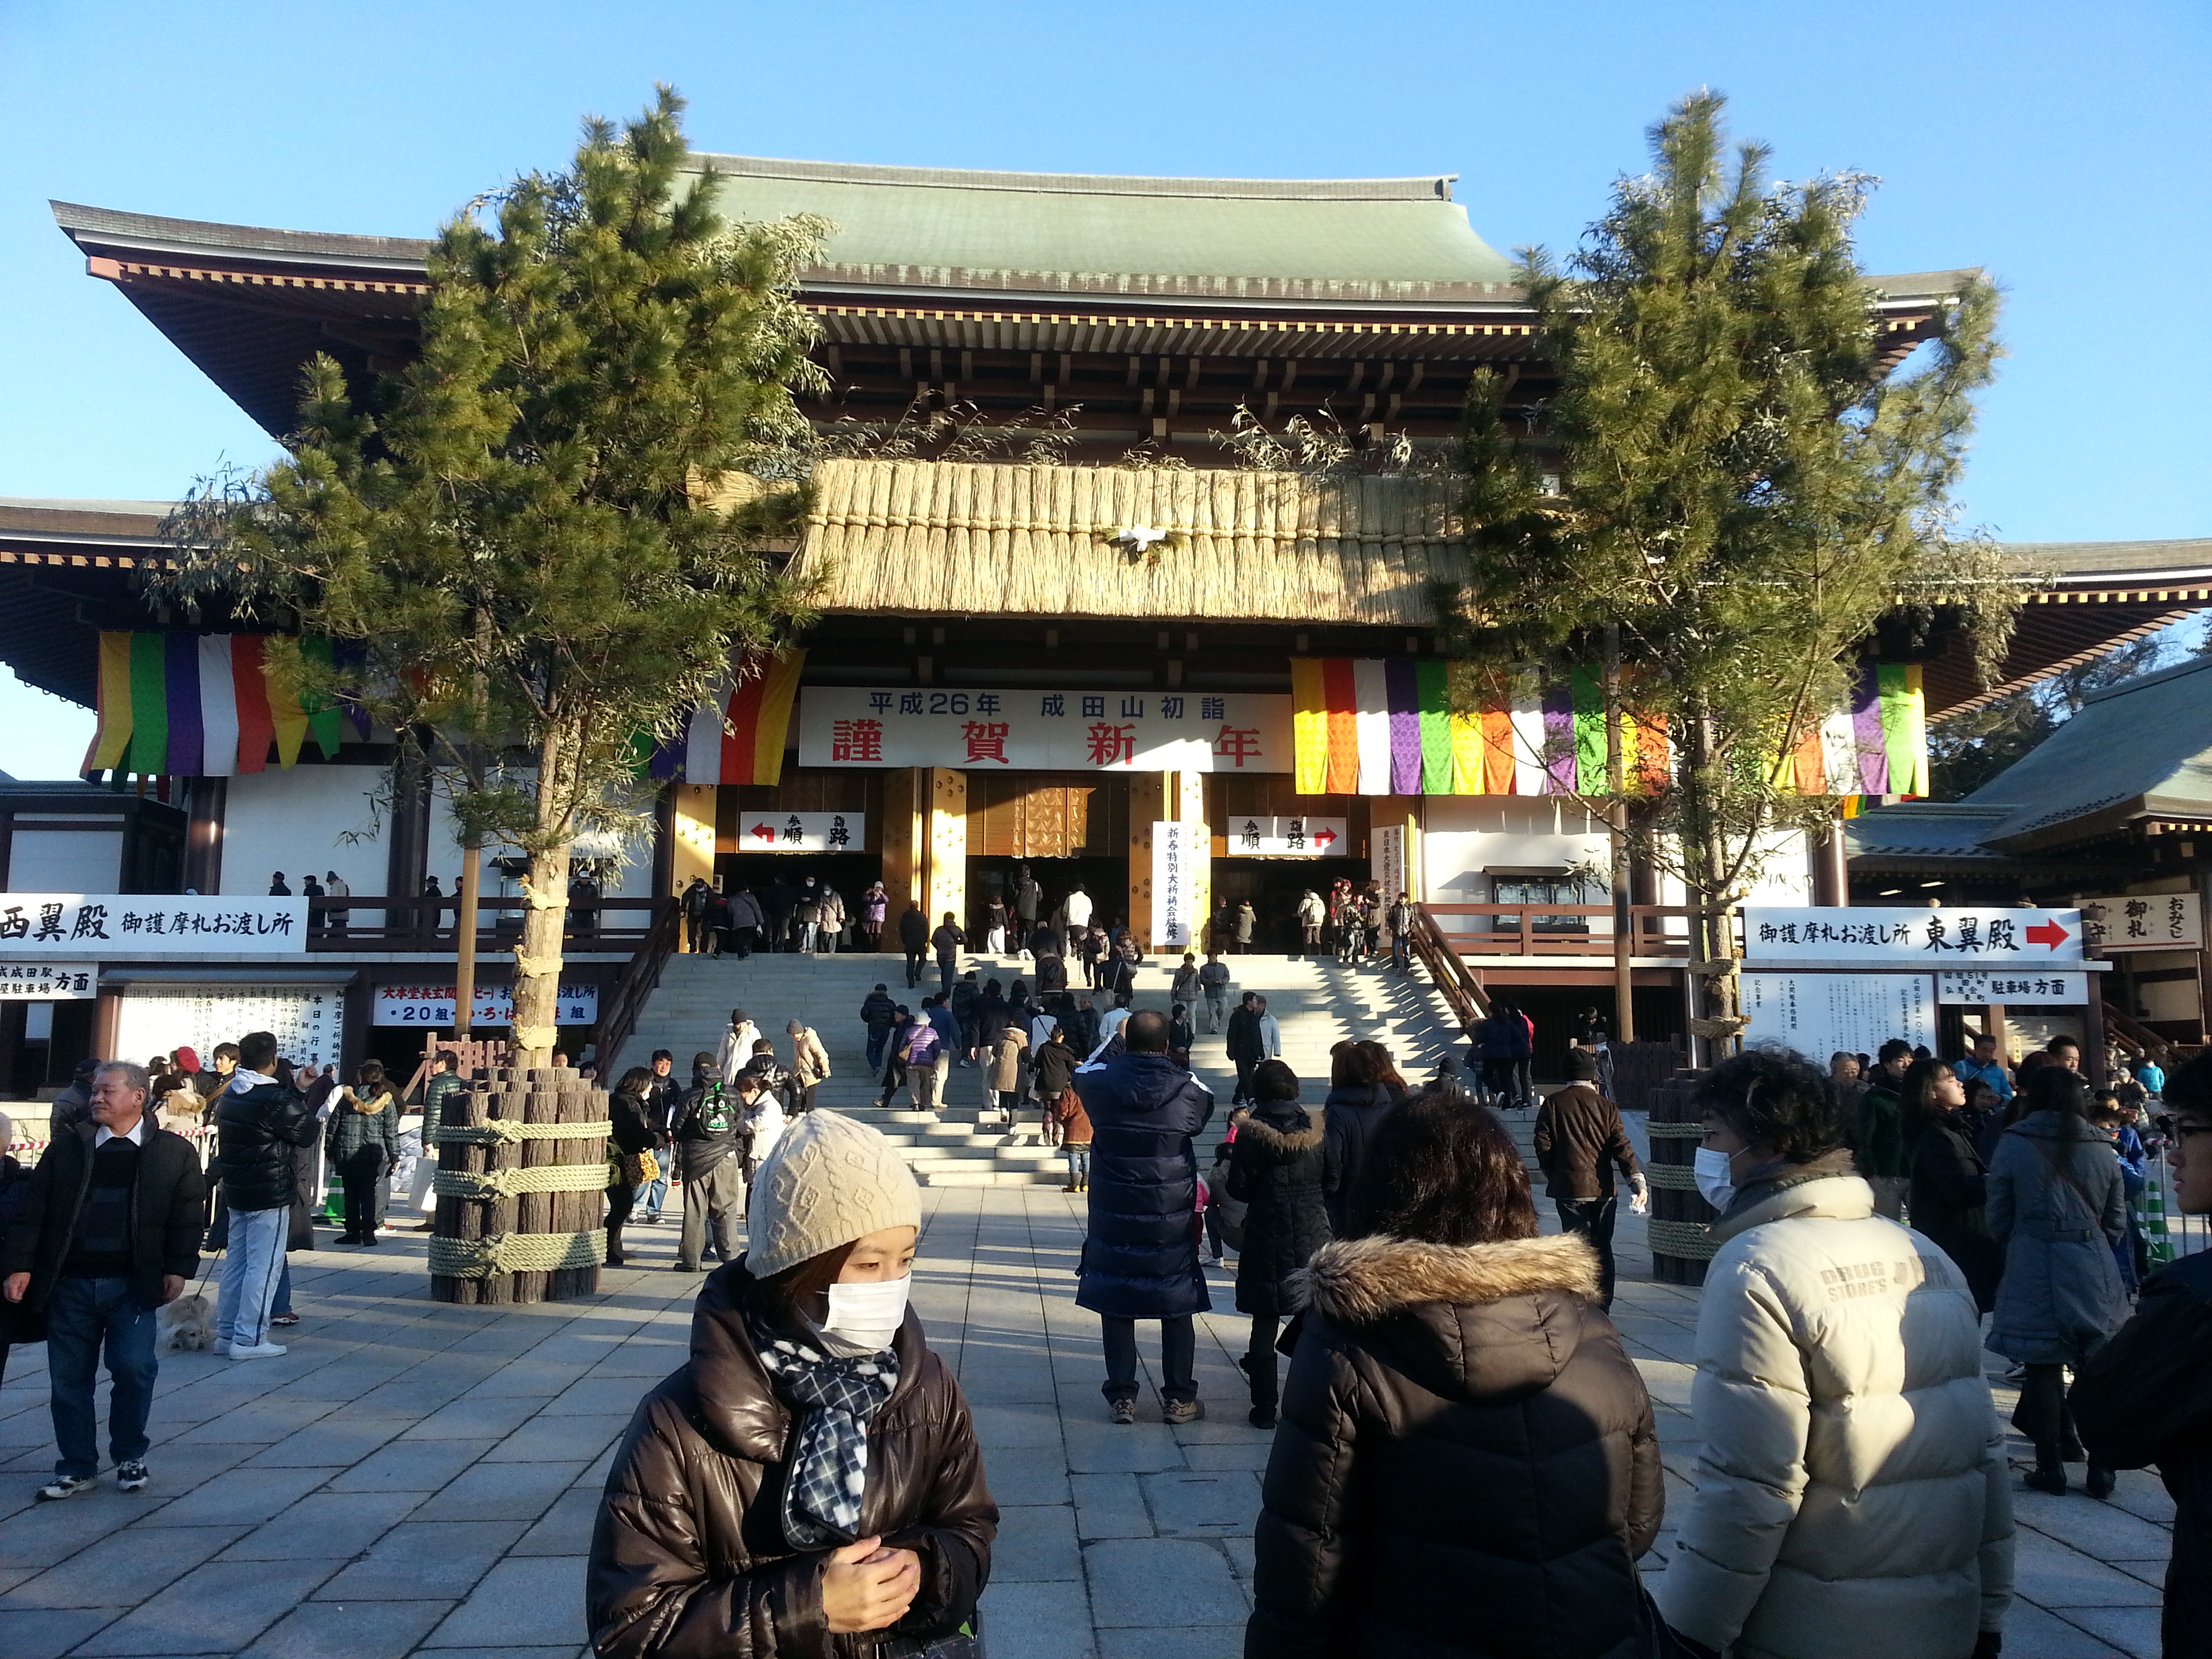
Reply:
x=829, y=1465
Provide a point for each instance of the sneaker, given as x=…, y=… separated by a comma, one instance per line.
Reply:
x=1180, y=1411
x=131, y=1476
x=1124, y=1410
x=69, y=1486
x=261, y=1350
x=284, y=1318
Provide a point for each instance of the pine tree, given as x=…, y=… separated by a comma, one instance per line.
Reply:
x=1725, y=476
x=522, y=529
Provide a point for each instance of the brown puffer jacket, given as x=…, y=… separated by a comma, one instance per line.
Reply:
x=688, y=1557
x=1467, y=1464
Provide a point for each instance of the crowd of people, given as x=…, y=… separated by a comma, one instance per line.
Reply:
x=1458, y=1426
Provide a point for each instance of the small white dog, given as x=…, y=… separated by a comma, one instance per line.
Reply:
x=187, y=1323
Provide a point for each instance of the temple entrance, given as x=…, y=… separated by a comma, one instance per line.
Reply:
x=1067, y=827
x=775, y=879
x=1274, y=887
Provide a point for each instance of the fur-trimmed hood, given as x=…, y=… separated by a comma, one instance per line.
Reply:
x=1470, y=1321
x=1278, y=1137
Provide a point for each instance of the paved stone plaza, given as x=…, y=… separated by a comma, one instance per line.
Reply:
x=419, y=1478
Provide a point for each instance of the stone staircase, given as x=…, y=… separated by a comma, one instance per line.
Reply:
x=1316, y=1004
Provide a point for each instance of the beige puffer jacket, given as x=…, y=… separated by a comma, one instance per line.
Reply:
x=1853, y=1492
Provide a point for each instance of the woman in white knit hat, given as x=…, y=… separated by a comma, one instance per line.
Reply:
x=809, y=1482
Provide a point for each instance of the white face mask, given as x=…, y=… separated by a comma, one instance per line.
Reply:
x=868, y=1313
x=1714, y=1184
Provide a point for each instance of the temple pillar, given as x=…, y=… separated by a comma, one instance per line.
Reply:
x=203, y=835
x=905, y=837
x=946, y=848
x=691, y=841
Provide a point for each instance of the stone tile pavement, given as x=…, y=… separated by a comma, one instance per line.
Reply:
x=419, y=1478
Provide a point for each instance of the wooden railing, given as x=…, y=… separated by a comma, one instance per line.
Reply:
x=1446, y=971
x=1571, y=935
x=380, y=922
x=639, y=981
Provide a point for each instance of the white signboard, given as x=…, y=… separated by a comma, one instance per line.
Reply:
x=424, y=1004
x=67, y=925
x=49, y=981
x=1817, y=1014
x=1046, y=731
x=1297, y=838
x=1901, y=936
x=2013, y=989
x=308, y=1021
x=803, y=832
x=1389, y=846
x=2146, y=921
x=1180, y=851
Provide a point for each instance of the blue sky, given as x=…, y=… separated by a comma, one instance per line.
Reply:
x=2061, y=147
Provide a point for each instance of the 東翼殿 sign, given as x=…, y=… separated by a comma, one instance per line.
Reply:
x=1901, y=936
x=132, y=925
x=1046, y=731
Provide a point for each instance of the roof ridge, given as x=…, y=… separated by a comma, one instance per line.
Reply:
x=2156, y=676
x=1427, y=187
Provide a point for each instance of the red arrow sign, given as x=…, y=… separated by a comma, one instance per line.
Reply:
x=765, y=831
x=1323, y=839
x=2047, y=932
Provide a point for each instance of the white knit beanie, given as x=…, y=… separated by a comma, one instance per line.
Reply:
x=829, y=1181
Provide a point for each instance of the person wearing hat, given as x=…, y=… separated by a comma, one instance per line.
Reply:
x=811, y=1472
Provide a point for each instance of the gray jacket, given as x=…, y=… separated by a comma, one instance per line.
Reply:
x=2055, y=1202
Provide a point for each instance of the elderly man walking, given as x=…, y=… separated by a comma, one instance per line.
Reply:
x=1140, y=1260
x=112, y=1231
x=258, y=1121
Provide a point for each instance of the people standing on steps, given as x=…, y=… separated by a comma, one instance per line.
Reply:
x=963, y=999
x=1182, y=1036
x=1275, y=1171
x=1083, y=1027
x=1312, y=915
x=1214, y=982
x=1005, y=1078
x=1467, y=1463
x=1253, y=1036
x=361, y=1144
x=832, y=931
x=806, y=916
x=664, y=1099
x=948, y=941
x=1028, y=904
x=810, y=1066
x=712, y=1142
x=1052, y=1075
x=996, y=917
x=258, y=1121
x=809, y=1481
x=1242, y=925
x=1852, y=1492
x=1400, y=920
x=721, y=924
x=104, y=1231
x=1580, y=1141
x=936, y=1010
x=693, y=902
x=2057, y=1204
x=875, y=906
x=743, y=924
x=1077, y=909
x=877, y=1010
x=1072, y=1124
x=1140, y=1258
x=1357, y=1102
x=914, y=940
x=736, y=1051
x=919, y=1052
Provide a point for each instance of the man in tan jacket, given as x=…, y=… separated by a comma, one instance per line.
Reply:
x=809, y=1064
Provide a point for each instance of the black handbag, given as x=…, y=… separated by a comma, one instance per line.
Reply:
x=966, y=1643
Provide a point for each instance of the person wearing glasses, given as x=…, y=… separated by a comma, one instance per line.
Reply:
x=2145, y=1397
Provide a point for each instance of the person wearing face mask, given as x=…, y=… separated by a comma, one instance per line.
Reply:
x=809, y=1481
x=1852, y=1477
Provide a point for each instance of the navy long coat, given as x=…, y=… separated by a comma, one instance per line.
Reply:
x=1140, y=1260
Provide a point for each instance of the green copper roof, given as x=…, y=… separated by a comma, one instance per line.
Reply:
x=1356, y=230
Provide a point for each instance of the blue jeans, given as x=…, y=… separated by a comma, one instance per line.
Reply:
x=283, y=1303
x=880, y=1037
x=252, y=1263
x=84, y=1315
x=1078, y=1164
x=651, y=1194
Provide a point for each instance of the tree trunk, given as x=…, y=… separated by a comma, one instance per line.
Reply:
x=545, y=901
x=1616, y=820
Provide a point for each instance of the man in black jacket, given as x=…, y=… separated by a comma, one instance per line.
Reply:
x=1245, y=1046
x=113, y=1231
x=2146, y=1396
x=877, y=1011
x=257, y=1121
x=713, y=1140
x=914, y=940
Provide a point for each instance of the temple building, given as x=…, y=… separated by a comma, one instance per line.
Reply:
x=1076, y=630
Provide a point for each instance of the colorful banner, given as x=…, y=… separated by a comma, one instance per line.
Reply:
x=738, y=735
x=1408, y=727
x=211, y=705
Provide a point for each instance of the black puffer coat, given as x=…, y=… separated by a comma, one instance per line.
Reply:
x=1467, y=1464
x=1140, y=1260
x=689, y=1558
x=1352, y=1114
x=256, y=1129
x=1948, y=1198
x=1274, y=1169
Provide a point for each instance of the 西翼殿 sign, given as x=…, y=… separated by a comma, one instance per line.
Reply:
x=1901, y=936
x=131, y=925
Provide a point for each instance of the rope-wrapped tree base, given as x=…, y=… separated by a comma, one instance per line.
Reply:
x=521, y=1184
x=1680, y=1243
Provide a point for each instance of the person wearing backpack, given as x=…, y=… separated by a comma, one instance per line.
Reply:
x=711, y=1144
